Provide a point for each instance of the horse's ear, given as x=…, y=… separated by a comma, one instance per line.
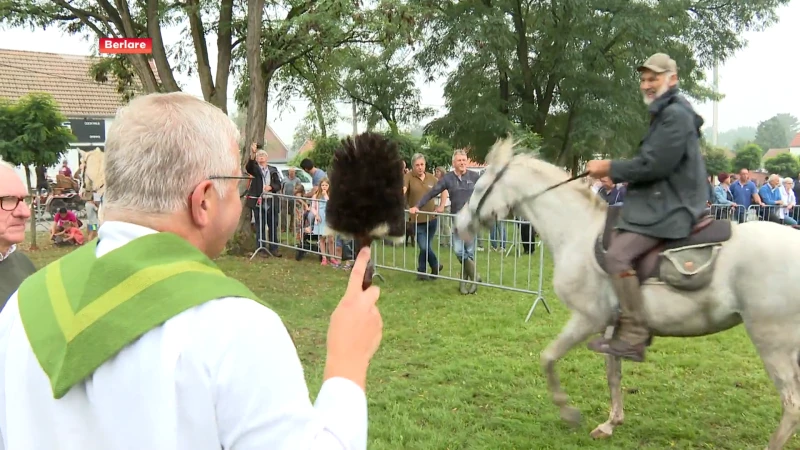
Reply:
x=501, y=152
x=82, y=152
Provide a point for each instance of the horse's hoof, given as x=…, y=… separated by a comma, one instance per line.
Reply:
x=571, y=416
x=602, y=431
x=462, y=287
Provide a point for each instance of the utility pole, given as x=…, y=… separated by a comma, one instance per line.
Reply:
x=355, y=117
x=715, y=133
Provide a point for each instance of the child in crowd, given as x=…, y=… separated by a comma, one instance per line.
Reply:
x=91, y=219
x=318, y=205
x=68, y=234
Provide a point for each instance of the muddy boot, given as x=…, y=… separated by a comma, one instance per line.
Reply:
x=472, y=274
x=462, y=286
x=630, y=341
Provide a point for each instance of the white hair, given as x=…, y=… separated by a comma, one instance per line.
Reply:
x=416, y=157
x=160, y=146
x=788, y=180
x=263, y=153
x=5, y=165
x=774, y=177
x=459, y=152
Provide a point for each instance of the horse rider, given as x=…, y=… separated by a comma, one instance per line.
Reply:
x=666, y=197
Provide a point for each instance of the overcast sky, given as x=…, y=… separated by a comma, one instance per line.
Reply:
x=753, y=81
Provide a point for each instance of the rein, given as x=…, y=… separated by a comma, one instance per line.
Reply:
x=576, y=177
x=502, y=172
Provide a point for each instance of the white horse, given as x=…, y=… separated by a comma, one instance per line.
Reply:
x=93, y=176
x=703, y=290
x=93, y=172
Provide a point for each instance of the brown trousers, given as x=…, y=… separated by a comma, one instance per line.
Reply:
x=625, y=248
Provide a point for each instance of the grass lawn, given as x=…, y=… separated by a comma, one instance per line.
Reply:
x=462, y=372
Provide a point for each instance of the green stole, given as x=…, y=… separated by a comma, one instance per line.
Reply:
x=81, y=310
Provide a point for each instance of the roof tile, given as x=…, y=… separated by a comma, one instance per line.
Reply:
x=65, y=77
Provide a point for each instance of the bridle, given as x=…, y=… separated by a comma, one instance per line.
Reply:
x=502, y=172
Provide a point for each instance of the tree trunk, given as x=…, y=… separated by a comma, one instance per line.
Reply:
x=33, y=227
x=243, y=240
x=28, y=176
x=323, y=131
x=159, y=52
x=224, y=51
x=393, y=127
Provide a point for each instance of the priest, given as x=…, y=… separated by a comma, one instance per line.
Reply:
x=137, y=340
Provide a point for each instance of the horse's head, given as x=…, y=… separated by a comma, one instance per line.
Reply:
x=509, y=179
x=490, y=199
x=92, y=167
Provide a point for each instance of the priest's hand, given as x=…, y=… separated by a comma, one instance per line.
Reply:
x=356, y=328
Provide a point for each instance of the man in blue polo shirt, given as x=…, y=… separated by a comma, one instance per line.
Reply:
x=771, y=196
x=745, y=193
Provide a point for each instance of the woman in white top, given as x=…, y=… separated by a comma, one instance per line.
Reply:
x=789, y=199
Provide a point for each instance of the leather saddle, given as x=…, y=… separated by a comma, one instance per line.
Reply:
x=708, y=233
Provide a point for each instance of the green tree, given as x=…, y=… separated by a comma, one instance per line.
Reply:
x=748, y=158
x=145, y=18
x=565, y=70
x=772, y=133
x=785, y=165
x=316, y=78
x=790, y=123
x=729, y=138
x=31, y=132
x=716, y=160
x=438, y=153
x=383, y=85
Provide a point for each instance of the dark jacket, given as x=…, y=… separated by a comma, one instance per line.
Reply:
x=257, y=185
x=667, y=185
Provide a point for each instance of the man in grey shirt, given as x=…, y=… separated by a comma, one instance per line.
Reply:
x=459, y=184
x=287, y=204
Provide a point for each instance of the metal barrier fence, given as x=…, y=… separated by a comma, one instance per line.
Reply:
x=506, y=257
x=785, y=215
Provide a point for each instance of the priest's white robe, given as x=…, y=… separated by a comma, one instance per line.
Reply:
x=222, y=375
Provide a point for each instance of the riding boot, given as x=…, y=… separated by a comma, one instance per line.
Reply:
x=630, y=341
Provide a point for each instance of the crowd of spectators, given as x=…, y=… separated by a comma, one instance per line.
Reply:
x=734, y=196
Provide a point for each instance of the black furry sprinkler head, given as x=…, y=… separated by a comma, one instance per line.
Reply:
x=366, y=189
x=366, y=193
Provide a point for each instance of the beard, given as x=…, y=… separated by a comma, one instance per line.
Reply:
x=661, y=91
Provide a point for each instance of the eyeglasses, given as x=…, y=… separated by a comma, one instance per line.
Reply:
x=242, y=180
x=10, y=202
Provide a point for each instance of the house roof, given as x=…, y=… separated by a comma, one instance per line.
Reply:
x=276, y=148
x=307, y=146
x=65, y=77
x=773, y=152
x=796, y=141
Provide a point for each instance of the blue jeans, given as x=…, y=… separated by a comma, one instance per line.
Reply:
x=462, y=249
x=425, y=234
x=266, y=217
x=498, y=235
x=788, y=220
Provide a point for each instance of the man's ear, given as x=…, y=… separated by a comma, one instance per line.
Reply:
x=199, y=201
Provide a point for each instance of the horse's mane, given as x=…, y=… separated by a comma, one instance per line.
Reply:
x=507, y=148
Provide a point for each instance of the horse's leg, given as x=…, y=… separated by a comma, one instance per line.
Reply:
x=784, y=369
x=617, y=414
x=577, y=329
